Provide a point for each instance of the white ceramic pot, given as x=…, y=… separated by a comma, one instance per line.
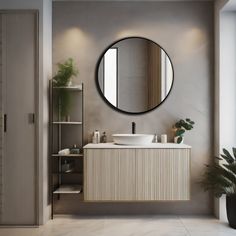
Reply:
x=176, y=138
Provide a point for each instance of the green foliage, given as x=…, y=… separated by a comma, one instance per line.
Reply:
x=65, y=72
x=64, y=102
x=181, y=126
x=221, y=178
x=62, y=78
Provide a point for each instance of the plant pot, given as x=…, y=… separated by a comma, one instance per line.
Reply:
x=231, y=210
x=176, y=139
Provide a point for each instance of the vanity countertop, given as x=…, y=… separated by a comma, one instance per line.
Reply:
x=149, y=146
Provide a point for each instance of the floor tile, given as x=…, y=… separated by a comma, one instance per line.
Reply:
x=161, y=225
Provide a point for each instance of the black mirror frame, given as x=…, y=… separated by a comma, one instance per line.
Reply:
x=101, y=93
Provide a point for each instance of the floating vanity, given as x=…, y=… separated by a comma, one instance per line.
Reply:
x=154, y=172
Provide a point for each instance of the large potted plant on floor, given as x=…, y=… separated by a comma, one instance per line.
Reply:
x=221, y=179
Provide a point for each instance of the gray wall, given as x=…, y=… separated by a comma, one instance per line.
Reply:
x=185, y=30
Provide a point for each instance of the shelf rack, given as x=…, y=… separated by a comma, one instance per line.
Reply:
x=58, y=185
x=68, y=189
x=67, y=122
x=69, y=155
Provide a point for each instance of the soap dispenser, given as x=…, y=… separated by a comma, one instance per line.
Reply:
x=104, y=137
x=96, y=136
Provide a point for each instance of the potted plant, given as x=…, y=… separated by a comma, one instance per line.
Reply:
x=180, y=127
x=65, y=73
x=63, y=78
x=221, y=179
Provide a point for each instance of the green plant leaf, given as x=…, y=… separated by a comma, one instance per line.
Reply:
x=218, y=158
x=225, y=173
x=66, y=70
x=234, y=152
x=189, y=127
x=64, y=102
x=177, y=125
x=225, y=158
x=231, y=167
x=179, y=132
x=220, y=178
x=229, y=159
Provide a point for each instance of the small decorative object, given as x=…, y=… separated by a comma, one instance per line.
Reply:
x=221, y=179
x=155, y=140
x=164, y=138
x=65, y=151
x=63, y=78
x=180, y=127
x=67, y=166
x=74, y=149
x=96, y=137
x=67, y=118
x=104, y=137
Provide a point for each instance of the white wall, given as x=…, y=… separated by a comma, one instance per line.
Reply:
x=227, y=80
x=225, y=84
x=227, y=88
x=44, y=8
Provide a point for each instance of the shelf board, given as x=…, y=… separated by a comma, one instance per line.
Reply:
x=67, y=189
x=72, y=88
x=67, y=122
x=69, y=155
x=66, y=173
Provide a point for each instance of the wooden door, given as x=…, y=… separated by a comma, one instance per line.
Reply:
x=18, y=86
x=109, y=174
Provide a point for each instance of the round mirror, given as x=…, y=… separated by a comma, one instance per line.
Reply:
x=134, y=75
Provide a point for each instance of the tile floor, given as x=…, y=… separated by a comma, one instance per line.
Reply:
x=127, y=226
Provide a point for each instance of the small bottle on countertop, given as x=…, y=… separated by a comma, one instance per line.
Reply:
x=155, y=140
x=164, y=138
x=104, y=137
x=93, y=139
x=96, y=137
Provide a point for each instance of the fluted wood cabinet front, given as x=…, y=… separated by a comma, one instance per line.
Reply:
x=136, y=174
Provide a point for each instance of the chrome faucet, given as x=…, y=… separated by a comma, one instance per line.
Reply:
x=133, y=127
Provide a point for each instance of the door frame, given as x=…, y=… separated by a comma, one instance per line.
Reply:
x=36, y=122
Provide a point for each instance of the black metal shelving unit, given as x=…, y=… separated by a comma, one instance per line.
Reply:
x=63, y=134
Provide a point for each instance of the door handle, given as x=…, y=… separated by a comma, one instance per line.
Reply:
x=31, y=118
x=5, y=123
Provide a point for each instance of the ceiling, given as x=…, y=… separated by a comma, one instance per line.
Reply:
x=229, y=6
x=133, y=0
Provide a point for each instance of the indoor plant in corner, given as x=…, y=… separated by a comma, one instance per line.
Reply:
x=180, y=127
x=62, y=79
x=221, y=179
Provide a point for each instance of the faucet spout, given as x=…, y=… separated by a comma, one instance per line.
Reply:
x=133, y=127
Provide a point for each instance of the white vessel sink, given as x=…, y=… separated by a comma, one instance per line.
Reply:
x=132, y=139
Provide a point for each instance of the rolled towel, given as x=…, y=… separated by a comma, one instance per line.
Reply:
x=64, y=151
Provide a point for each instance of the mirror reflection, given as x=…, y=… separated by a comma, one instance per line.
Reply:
x=135, y=75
